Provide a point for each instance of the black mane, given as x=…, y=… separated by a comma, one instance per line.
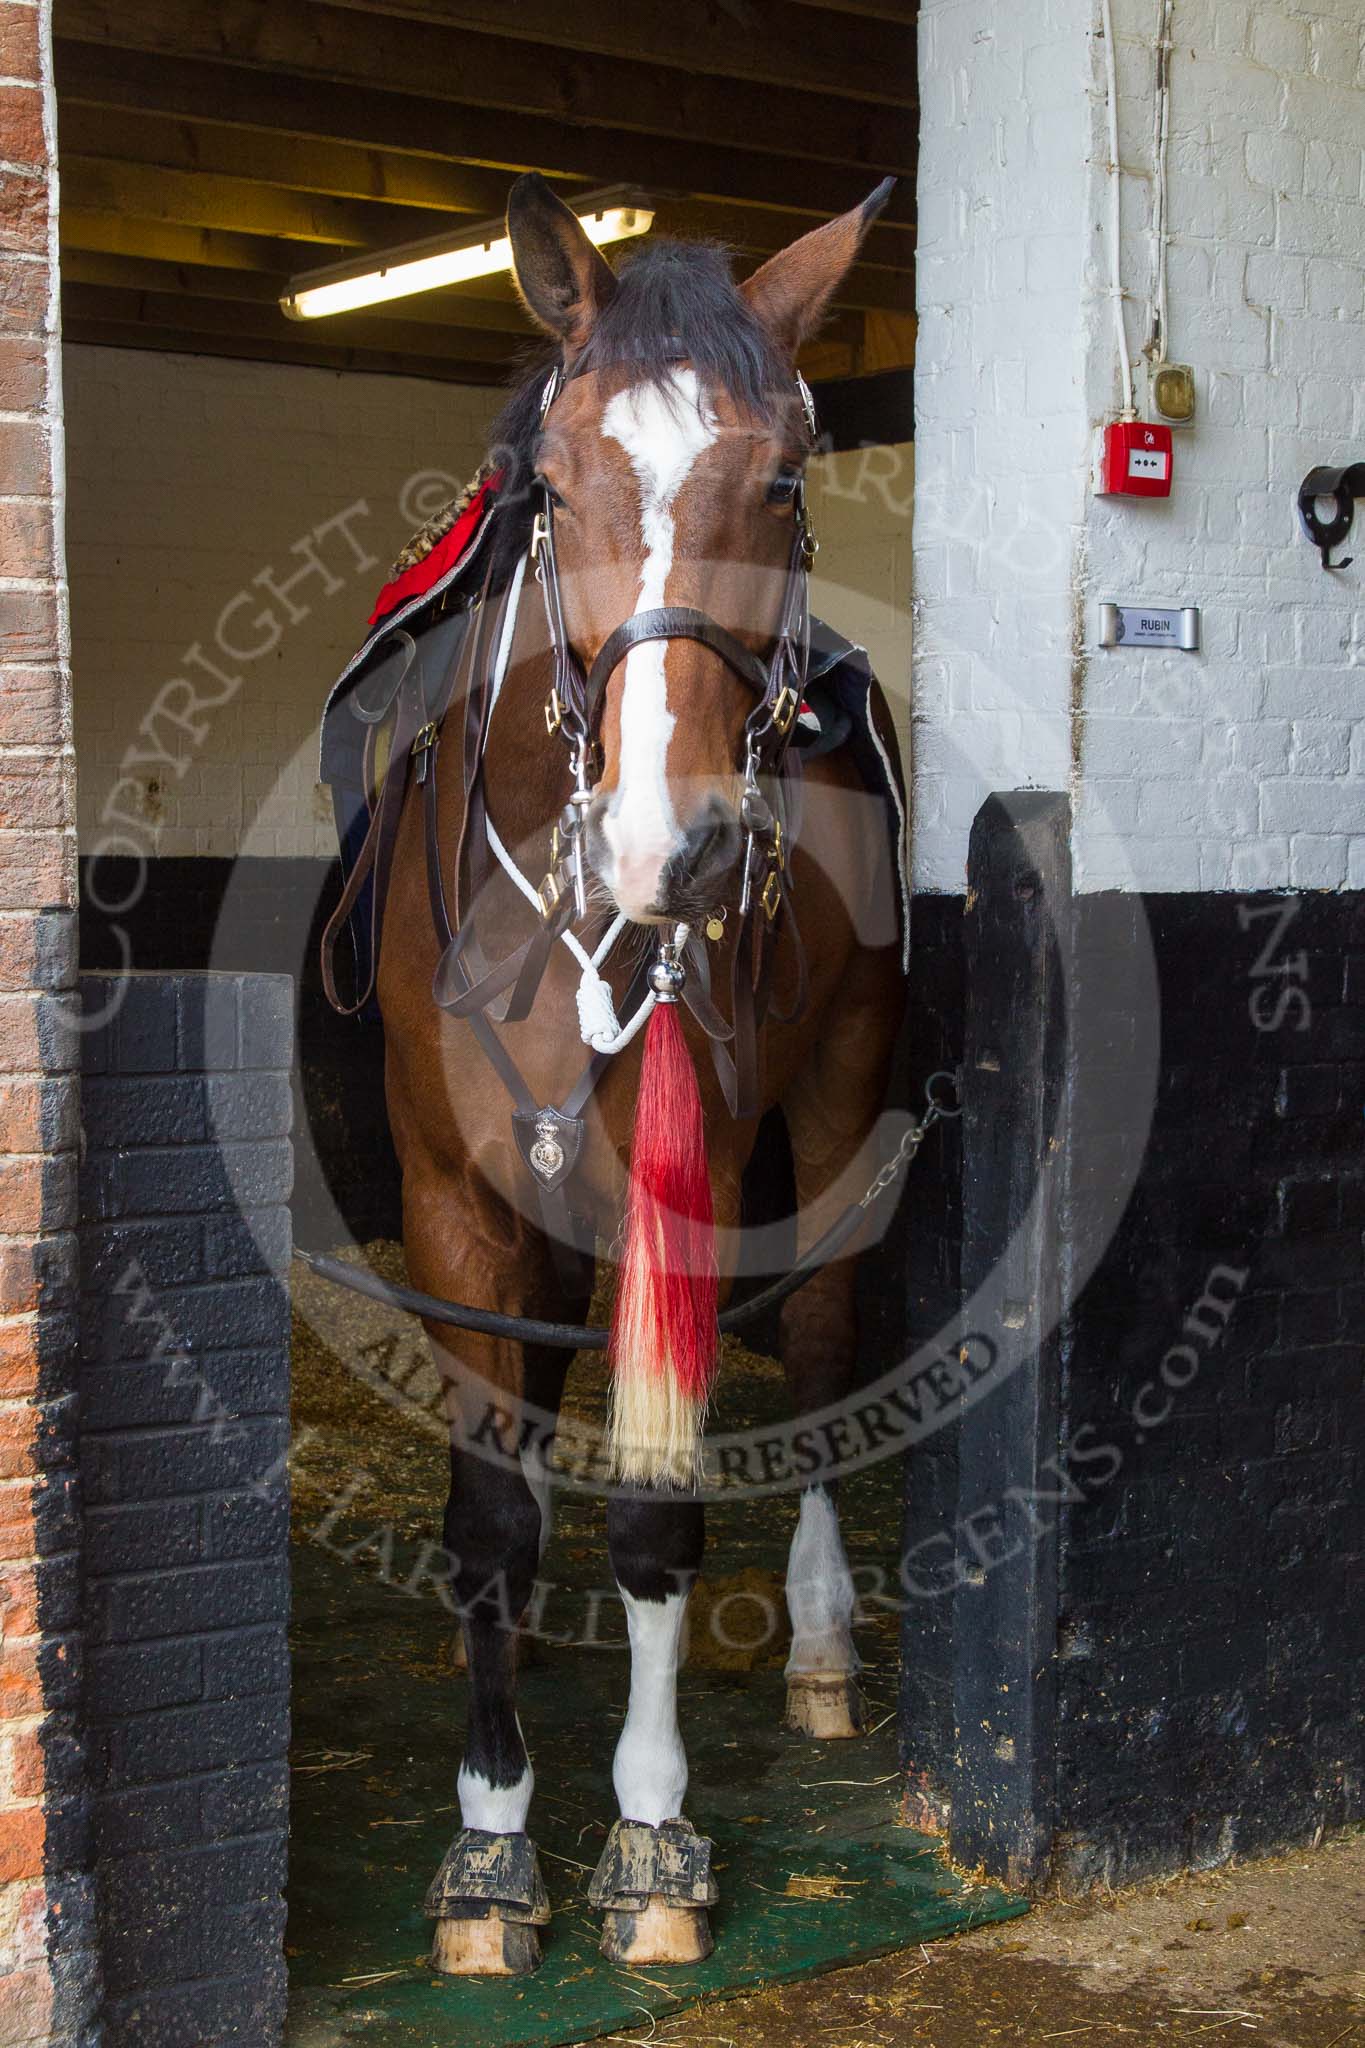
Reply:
x=673, y=299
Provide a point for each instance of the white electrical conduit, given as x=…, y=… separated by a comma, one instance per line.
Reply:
x=1111, y=71
x=1157, y=346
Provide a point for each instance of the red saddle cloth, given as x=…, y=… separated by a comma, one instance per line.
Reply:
x=423, y=575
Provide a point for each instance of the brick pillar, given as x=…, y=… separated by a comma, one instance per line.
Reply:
x=46, y=1965
x=184, y=1438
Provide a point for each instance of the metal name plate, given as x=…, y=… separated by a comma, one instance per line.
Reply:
x=1146, y=625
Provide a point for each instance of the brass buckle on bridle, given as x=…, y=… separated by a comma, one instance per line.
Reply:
x=554, y=713
x=548, y=895
x=771, y=897
x=423, y=741
x=785, y=707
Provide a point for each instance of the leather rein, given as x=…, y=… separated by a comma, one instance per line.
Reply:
x=466, y=984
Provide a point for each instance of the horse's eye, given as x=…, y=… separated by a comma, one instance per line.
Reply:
x=784, y=487
x=551, y=493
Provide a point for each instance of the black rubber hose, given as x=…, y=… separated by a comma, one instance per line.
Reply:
x=572, y=1336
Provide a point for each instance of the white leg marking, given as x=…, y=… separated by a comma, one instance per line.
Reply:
x=820, y=1592
x=663, y=430
x=650, y=1769
x=497, y=1809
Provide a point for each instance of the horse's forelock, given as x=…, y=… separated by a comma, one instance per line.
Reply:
x=674, y=299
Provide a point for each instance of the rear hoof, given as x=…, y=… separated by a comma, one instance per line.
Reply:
x=491, y=1947
x=662, y=1932
x=830, y=1709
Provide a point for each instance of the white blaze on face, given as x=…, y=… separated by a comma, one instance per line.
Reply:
x=663, y=429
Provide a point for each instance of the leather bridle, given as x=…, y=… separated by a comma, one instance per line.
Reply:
x=465, y=984
x=573, y=710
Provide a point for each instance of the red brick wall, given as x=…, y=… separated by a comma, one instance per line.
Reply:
x=45, y=1963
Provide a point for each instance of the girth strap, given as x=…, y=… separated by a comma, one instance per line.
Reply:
x=376, y=854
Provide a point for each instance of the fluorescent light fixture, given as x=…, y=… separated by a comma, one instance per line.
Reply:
x=427, y=266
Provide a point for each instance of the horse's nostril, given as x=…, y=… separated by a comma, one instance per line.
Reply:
x=709, y=850
x=700, y=849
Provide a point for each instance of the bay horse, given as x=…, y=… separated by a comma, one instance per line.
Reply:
x=656, y=478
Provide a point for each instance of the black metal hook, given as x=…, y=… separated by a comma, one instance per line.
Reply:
x=1342, y=487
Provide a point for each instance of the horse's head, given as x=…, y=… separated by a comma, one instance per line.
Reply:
x=674, y=453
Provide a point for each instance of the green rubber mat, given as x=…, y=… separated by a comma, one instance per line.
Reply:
x=814, y=1869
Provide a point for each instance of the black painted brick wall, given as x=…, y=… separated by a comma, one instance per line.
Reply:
x=1212, y=1638
x=185, y=1238
x=1212, y=1612
x=267, y=915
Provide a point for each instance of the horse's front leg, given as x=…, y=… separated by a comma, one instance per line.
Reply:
x=488, y=1897
x=653, y=1881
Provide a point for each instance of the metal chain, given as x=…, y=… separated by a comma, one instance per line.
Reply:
x=935, y=1112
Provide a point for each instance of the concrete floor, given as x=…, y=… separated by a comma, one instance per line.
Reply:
x=1272, y=1951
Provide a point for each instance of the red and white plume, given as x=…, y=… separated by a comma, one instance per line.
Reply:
x=664, y=1335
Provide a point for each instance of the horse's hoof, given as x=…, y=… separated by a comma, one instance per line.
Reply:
x=491, y=1947
x=652, y=1886
x=487, y=1900
x=662, y=1932
x=830, y=1709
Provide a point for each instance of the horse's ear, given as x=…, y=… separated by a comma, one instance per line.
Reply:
x=791, y=292
x=560, y=275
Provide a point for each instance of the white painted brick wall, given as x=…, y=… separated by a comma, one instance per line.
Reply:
x=1241, y=766
x=192, y=479
x=189, y=480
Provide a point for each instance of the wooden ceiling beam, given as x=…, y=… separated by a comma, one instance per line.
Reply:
x=346, y=171
x=261, y=288
x=166, y=242
x=264, y=288
x=314, y=41
x=174, y=242
x=339, y=170
x=306, y=353
x=245, y=319
x=761, y=46
x=156, y=281
x=98, y=185
x=278, y=104
x=141, y=274
x=321, y=228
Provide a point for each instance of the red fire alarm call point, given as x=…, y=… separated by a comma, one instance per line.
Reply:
x=1137, y=460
